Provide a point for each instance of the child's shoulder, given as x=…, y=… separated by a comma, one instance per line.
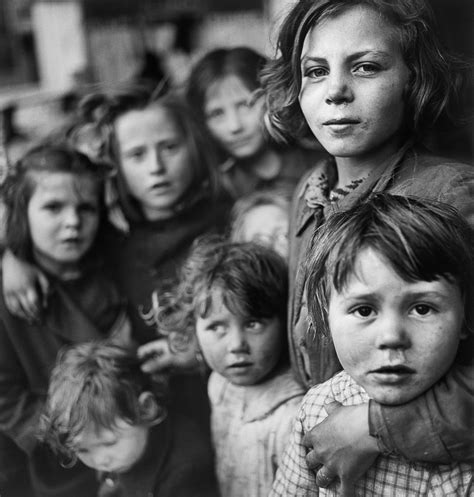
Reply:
x=341, y=388
x=260, y=399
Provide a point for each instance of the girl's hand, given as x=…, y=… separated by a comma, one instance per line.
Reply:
x=157, y=356
x=25, y=288
x=341, y=448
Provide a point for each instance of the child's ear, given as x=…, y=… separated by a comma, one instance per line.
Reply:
x=149, y=408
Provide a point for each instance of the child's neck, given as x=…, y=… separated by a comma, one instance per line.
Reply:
x=62, y=271
x=266, y=164
x=350, y=169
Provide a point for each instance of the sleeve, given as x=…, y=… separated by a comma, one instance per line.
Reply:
x=285, y=422
x=293, y=476
x=190, y=478
x=459, y=192
x=435, y=427
x=20, y=408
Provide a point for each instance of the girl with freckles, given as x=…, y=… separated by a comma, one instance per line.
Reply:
x=367, y=78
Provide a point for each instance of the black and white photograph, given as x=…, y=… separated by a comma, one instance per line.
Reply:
x=236, y=248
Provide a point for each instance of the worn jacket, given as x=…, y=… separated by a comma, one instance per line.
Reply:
x=438, y=424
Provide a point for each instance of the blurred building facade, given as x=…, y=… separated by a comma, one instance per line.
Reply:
x=58, y=44
x=49, y=48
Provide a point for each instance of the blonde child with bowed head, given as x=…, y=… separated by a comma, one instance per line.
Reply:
x=262, y=217
x=368, y=79
x=103, y=410
x=233, y=298
x=54, y=200
x=390, y=282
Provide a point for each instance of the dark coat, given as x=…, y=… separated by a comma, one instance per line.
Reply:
x=178, y=462
x=77, y=311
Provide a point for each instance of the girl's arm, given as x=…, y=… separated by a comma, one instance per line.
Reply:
x=25, y=287
x=20, y=407
x=435, y=427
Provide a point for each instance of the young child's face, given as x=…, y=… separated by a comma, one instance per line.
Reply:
x=115, y=450
x=63, y=217
x=269, y=225
x=242, y=350
x=353, y=84
x=395, y=338
x=232, y=120
x=154, y=159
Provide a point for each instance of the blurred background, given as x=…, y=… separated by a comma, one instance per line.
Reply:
x=52, y=51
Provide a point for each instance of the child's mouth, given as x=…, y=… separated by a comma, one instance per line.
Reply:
x=240, y=365
x=392, y=374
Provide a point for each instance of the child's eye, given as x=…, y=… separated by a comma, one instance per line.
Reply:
x=135, y=155
x=422, y=309
x=52, y=206
x=315, y=72
x=170, y=147
x=363, y=311
x=366, y=68
x=215, y=328
x=214, y=113
x=254, y=325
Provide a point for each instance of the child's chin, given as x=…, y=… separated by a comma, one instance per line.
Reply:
x=393, y=397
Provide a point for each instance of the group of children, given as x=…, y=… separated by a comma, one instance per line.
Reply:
x=148, y=349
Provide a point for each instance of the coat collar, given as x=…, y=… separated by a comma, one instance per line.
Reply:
x=313, y=194
x=262, y=399
x=66, y=319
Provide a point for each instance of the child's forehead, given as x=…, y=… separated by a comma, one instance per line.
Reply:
x=214, y=298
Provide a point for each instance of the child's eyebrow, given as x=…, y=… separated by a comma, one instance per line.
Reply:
x=214, y=321
x=381, y=54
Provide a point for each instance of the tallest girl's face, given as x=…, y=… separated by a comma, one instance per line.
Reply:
x=353, y=84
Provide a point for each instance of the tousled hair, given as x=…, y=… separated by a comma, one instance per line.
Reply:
x=434, y=75
x=253, y=280
x=277, y=197
x=20, y=185
x=92, y=384
x=98, y=112
x=422, y=240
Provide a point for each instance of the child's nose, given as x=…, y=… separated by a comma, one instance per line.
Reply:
x=237, y=343
x=157, y=164
x=72, y=217
x=103, y=460
x=339, y=88
x=233, y=121
x=392, y=333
